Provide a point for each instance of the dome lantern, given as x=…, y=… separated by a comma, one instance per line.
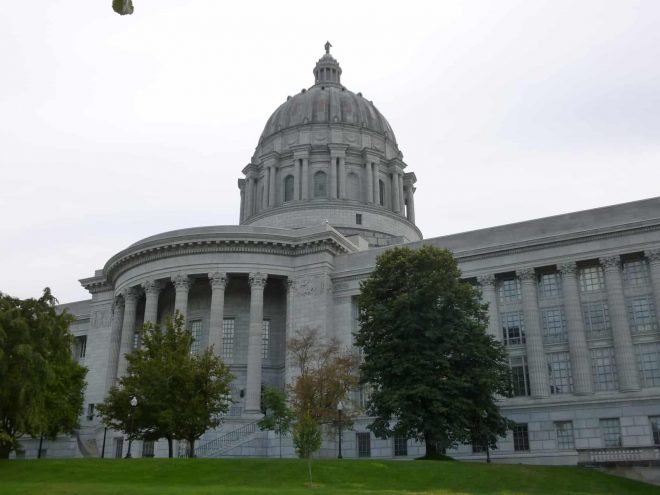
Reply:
x=327, y=70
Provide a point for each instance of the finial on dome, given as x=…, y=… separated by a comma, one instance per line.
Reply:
x=327, y=70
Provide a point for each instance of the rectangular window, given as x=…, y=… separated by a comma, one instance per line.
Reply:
x=596, y=320
x=478, y=448
x=559, y=373
x=363, y=444
x=119, y=447
x=604, y=369
x=148, y=448
x=520, y=437
x=195, y=329
x=228, y=338
x=400, y=446
x=90, y=411
x=519, y=376
x=655, y=429
x=635, y=273
x=611, y=431
x=509, y=290
x=265, y=338
x=513, y=329
x=136, y=340
x=80, y=347
x=565, y=439
x=549, y=285
x=592, y=279
x=641, y=314
x=648, y=362
x=358, y=218
x=554, y=325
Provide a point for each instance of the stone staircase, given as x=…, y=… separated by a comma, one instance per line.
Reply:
x=218, y=446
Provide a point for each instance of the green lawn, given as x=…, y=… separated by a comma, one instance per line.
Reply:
x=288, y=477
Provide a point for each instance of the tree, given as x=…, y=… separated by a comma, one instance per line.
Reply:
x=307, y=440
x=180, y=394
x=327, y=373
x=122, y=7
x=279, y=416
x=433, y=369
x=41, y=384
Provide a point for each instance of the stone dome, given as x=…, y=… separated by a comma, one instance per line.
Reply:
x=327, y=102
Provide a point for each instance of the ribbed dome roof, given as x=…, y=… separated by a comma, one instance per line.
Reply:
x=327, y=102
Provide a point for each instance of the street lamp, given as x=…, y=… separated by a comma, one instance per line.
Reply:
x=340, y=409
x=130, y=433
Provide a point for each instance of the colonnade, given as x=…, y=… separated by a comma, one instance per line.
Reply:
x=579, y=352
x=264, y=180
x=125, y=320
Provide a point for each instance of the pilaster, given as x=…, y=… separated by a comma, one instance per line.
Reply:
x=253, y=381
x=115, y=342
x=653, y=258
x=181, y=287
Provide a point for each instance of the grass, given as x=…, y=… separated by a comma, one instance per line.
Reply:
x=289, y=477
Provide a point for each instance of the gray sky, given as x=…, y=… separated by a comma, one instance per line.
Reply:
x=116, y=128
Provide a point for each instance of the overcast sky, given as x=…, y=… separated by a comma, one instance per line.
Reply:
x=116, y=128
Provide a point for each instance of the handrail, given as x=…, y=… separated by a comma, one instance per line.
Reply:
x=216, y=446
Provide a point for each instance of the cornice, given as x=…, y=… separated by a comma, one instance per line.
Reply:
x=235, y=240
x=96, y=284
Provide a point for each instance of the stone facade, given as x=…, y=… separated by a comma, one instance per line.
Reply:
x=574, y=297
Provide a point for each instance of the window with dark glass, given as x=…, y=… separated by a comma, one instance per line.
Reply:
x=288, y=188
x=363, y=444
x=520, y=437
x=400, y=446
x=513, y=330
x=519, y=376
x=320, y=185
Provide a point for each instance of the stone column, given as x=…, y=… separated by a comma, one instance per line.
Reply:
x=368, y=172
x=342, y=177
x=152, y=291
x=410, y=196
x=127, y=328
x=402, y=205
x=218, y=281
x=583, y=383
x=332, y=176
x=395, y=192
x=624, y=354
x=272, y=182
x=288, y=286
x=264, y=197
x=305, y=178
x=487, y=283
x=538, y=367
x=296, y=180
x=181, y=287
x=653, y=257
x=115, y=342
x=249, y=197
x=376, y=188
x=253, y=380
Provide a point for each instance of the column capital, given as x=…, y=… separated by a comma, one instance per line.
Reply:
x=486, y=280
x=652, y=255
x=130, y=295
x=289, y=285
x=181, y=282
x=218, y=280
x=118, y=302
x=152, y=287
x=610, y=262
x=257, y=280
x=526, y=274
x=567, y=268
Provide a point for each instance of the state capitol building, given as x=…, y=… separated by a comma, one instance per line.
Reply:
x=573, y=297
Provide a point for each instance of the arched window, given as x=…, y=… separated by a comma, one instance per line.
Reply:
x=288, y=188
x=320, y=185
x=353, y=186
x=381, y=193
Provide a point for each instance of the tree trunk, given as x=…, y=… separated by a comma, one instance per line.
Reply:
x=191, y=447
x=431, y=446
x=5, y=449
x=309, y=468
x=170, y=449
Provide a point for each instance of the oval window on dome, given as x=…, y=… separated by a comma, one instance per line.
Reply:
x=320, y=185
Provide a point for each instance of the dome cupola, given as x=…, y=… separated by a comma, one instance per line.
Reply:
x=328, y=155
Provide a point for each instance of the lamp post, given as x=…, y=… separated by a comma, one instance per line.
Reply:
x=340, y=409
x=134, y=403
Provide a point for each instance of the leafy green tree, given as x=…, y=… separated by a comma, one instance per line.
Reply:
x=41, y=384
x=279, y=416
x=180, y=394
x=307, y=440
x=432, y=367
